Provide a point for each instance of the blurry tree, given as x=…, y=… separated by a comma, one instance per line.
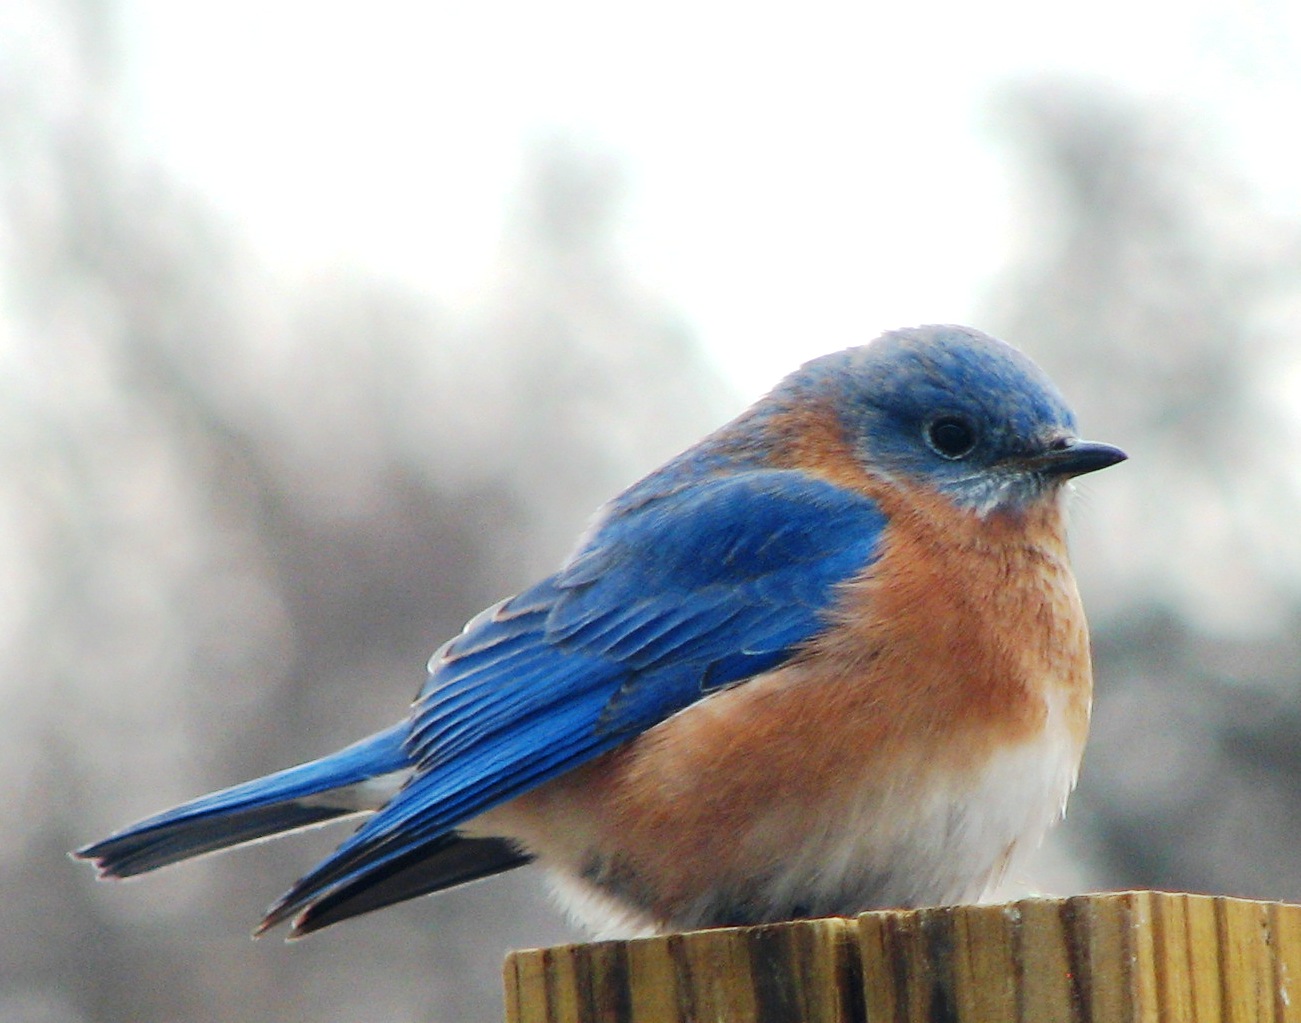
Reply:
x=1163, y=296
x=238, y=516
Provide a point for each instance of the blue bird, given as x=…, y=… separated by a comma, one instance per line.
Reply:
x=829, y=659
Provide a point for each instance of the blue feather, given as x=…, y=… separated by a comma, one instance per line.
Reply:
x=285, y=801
x=713, y=569
x=677, y=593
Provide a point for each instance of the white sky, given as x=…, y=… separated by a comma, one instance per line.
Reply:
x=801, y=177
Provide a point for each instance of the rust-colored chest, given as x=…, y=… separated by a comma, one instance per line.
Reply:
x=964, y=626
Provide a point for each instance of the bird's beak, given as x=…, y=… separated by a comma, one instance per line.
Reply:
x=1073, y=457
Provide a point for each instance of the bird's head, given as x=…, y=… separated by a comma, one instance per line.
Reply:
x=957, y=411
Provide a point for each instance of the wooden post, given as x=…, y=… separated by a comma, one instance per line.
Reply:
x=1129, y=957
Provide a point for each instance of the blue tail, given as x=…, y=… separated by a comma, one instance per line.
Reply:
x=334, y=786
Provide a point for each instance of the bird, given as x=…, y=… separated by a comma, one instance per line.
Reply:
x=832, y=658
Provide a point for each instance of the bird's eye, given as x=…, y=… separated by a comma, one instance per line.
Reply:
x=950, y=436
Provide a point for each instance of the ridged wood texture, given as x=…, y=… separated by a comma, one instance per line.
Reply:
x=1128, y=957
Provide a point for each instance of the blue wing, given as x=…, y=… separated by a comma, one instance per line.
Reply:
x=675, y=595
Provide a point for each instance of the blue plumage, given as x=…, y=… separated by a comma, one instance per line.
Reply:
x=285, y=801
x=679, y=591
x=740, y=567
x=721, y=565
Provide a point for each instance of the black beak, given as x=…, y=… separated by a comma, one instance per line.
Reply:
x=1070, y=456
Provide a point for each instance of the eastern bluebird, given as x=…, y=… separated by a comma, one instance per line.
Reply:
x=830, y=659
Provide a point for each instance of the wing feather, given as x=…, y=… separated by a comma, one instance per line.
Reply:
x=672, y=597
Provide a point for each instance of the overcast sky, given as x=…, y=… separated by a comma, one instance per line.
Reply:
x=800, y=178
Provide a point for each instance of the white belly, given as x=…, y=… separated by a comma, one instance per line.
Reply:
x=906, y=842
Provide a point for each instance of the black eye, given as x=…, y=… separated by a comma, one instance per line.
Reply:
x=951, y=436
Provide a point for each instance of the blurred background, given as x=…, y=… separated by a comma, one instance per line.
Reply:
x=323, y=326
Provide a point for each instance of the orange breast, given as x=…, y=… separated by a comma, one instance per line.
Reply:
x=959, y=642
x=968, y=623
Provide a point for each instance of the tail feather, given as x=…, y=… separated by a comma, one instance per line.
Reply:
x=357, y=779
x=449, y=861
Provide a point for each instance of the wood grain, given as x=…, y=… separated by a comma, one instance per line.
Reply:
x=1127, y=957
